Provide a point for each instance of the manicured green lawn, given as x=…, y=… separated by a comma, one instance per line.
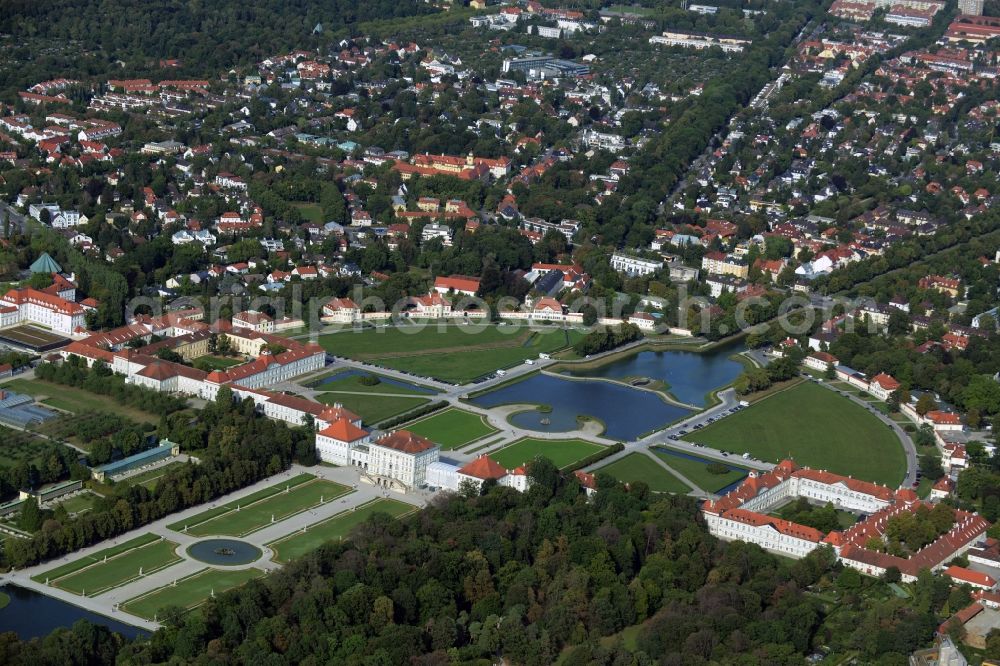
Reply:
x=844, y=518
x=454, y=353
x=637, y=467
x=121, y=569
x=256, y=496
x=76, y=565
x=337, y=527
x=698, y=473
x=311, y=212
x=351, y=382
x=79, y=503
x=218, y=362
x=373, y=343
x=817, y=428
x=190, y=592
x=78, y=401
x=562, y=452
x=452, y=428
x=373, y=408
x=247, y=517
x=149, y=478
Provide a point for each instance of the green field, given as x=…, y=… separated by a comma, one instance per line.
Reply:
x=452, y=428
x=373, y=408
x=844, y=518
x=337, y=527
x=79, y=503
x=247, y=515
x=350, y=382
x=189, y=592
x=638, y=467
x=121, y=569
x=452, y=353
x=817, y=428
x=697, y=472
x=255, y=496
x=78, y=401
x=78, y=564
x=149, y=478
x=562, y=452
x=310, y=212
x=210, y=362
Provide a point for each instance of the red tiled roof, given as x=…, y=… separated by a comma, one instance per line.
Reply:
x=781, y=525
x=943, y=418
x=341, y=304
x=969, y=576
x=824, y=357
x=343, y=430
x=587, y=480
x=484, y=468
x=887, y=382
x=48, y=301
x=458, y=283
x=857, y=485
x=405, y=441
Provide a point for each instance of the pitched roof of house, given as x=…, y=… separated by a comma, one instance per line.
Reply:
x=943, y=418
x=887, y=382
x=969, y=576
x=587, y=480
x=457, y=282
x=48, y=301
x=781, y=525
x=405, y=441
x=484, y=468
x=343, y=430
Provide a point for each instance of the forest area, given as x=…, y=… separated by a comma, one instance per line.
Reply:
x=203, y=36
x=534, y=577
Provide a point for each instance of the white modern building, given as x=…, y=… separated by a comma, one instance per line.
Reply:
x=631, y=265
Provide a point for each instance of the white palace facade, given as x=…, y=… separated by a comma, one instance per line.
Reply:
x=743, y=515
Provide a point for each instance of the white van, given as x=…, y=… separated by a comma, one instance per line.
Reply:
x=501, y=373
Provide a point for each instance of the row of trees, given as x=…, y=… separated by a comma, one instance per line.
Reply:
x=101, y=380
x=236, y=446
x=759, y=379
x=49, y=462
x=607, y=338
x=532, y=578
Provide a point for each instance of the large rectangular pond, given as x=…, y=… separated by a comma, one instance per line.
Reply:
x=626, y=412
x=690, y=375
x=31, y=614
